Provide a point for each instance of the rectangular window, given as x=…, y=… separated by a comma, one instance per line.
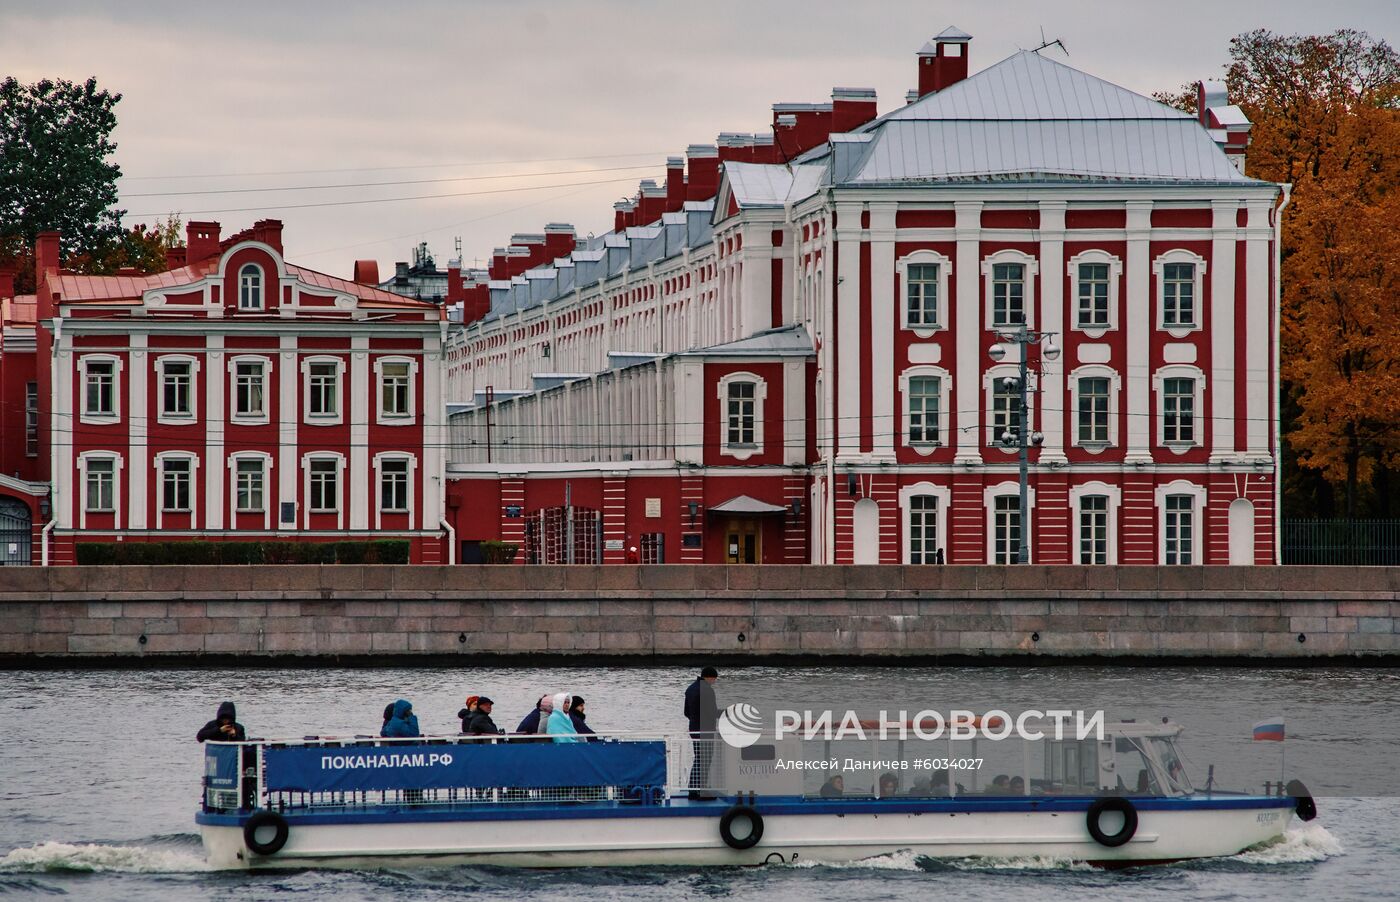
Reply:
x=1093, y=529
x=31, y=419
x=393, y=485
x=393, y=389
x=923, y=530
x=1008, y=294
x=922, y=294
x=100, y=392
x=924, y=399
x=325, y=486
x=101, y=482
x=1178, y=294
x=324, y=399
x=1093, y=295
x=1006, y=528
x=1093, y=411
x=1179, y=411
x=251, y=486
x=1006, y=412
x=741, y=413
x=175, y=485
x=1180, y=532
x=175, y=388
x=248, y=390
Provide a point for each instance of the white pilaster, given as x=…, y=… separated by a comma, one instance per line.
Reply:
x=288, y=418
x=62, y=418
x=795, y=411
x=1140, y=319
x=967, y=318
x=139, y=416
x=361, y=392
x=846, y=336
x=215, y=378
x=1051, y=316
x=1223, y=363
x=1257, y=317
x=883, y=305
x=756, y=279
x=433, y=470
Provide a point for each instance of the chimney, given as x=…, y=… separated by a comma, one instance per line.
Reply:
x=497, y=266
x=622, y=214
x=367, y=272
x=269, y=232
x=7, y=283
x=45, y=255
x=559, y=240
x=911, y=95
x=201, y=241
x=1226, y=123
x=798, y=127
x=651, y=202
x=702, y=171
x=735, y=146
x=675, y=184
x=455, y=293
x=943, y=61
x=174, y=257
x=851, y=108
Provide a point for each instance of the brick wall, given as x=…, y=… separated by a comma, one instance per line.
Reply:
x=698, y=612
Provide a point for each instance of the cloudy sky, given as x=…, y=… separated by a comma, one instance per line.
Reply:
x=507, y=115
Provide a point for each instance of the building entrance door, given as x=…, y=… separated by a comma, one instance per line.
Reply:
x=16, y=527
x=743, y=542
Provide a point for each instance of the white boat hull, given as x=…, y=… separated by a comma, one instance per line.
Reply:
x=1168, y=835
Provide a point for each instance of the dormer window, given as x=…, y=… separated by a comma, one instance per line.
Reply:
x=250, y=292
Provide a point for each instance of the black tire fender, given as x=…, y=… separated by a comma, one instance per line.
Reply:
x=1304, y=806
x=726, y=827
x=1125, y=833
x=265, y=818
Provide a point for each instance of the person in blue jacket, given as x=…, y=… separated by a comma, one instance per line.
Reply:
x=404, y=723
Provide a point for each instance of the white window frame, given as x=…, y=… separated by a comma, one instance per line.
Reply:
x=100, y=418
x=1198, y=516
x=323, y=419
x=1032, y=269
x=340, y=487
x=990, y=377
x=267, y=462
x=1198, y=413
x=945, y=500
x=258, y=284
x=158, y=462
x=945, y=270
x=945, y=394
x=1115, y=501
x=379, y=509
x=164, y=416
x=86, y=458
x=1115, y=394
x=989, y=497
x=1179, y=255
x=760, y=394
x=385, y=418
x=248, y=419
x=1115, y=275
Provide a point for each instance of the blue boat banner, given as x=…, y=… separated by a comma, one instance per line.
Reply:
x=524, y=765
x=221, y=766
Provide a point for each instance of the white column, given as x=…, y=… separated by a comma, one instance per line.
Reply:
x=1222, y=330
x=362, y=392
x=1052, y=320
x=846, y=337
x=433, y=471
x=215, y=378
x=288, y=417
x=755, y=287
x=1140, y=321
x=139, y=417
x=63, y=419
x=1257, y=317
x=882, y=325
x=795, y=411
x=967, y=385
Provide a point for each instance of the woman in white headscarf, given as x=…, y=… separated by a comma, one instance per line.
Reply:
x=561, y=725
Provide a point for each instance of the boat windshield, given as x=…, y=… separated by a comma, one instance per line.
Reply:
x=1171, y=763
x=1150, y=765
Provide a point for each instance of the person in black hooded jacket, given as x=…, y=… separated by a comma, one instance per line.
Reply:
x=224, y=727
x=576, y=712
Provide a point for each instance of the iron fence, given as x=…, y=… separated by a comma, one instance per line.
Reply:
x=1344, y=542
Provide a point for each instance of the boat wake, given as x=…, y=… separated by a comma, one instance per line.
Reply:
x=907, y=860
x=174, y=855
x=1310, y=842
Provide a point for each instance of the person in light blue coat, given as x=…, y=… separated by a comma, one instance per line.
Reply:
x=403, y=724
x=560, y=725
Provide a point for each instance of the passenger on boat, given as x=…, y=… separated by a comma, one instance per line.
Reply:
x=466, y=714
x=481, y=722
x=535, y=721
x=1001, y=785
x=889, y=785
x=404, y=723
x=1017, y=786
x=834, y=787
x=579, y=717
x=702, y=719
x=560, y=724
x=224, y=727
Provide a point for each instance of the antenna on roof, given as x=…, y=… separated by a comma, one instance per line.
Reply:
x=1044, y=44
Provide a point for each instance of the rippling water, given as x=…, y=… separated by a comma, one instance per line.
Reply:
x=99, y=777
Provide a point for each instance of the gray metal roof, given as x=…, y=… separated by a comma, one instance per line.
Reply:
x=786, y=341
x=764, y=185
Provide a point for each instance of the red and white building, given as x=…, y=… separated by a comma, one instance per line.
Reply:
x=780, y=354
x=234, y=397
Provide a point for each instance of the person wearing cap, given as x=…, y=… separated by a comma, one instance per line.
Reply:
x=702, y=717
x=481, y=722
x=467, y=713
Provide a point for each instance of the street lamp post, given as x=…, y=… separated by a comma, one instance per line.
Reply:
x=1023, y=338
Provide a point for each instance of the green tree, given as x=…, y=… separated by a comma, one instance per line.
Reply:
x=55, y=141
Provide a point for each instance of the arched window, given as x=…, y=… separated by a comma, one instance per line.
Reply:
x=250, y=294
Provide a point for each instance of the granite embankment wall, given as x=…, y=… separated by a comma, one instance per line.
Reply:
x=474, y=614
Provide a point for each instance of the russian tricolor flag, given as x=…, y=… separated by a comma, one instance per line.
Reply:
x=1269, y=731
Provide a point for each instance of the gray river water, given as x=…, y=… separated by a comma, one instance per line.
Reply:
x=99, y=777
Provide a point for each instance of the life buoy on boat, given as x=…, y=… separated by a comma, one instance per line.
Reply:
x=1304, y=806
x=265, y=818
x=726, y=827
x=1125, y=833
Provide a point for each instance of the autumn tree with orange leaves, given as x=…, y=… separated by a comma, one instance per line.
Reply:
x=1326, y=114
